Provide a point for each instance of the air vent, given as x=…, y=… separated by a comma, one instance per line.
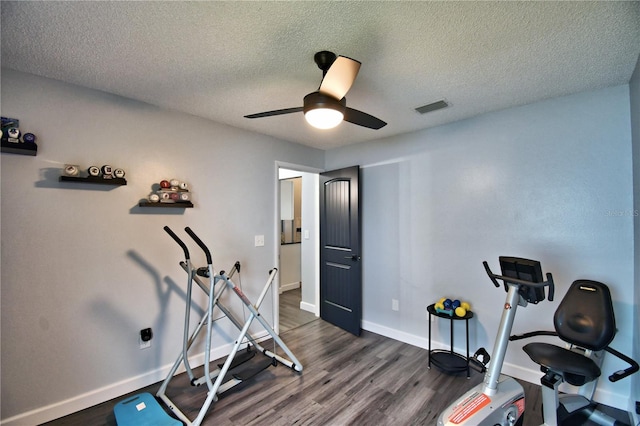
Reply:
x=432, y=107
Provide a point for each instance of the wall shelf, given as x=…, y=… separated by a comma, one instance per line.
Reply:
x=94, y=180
x=176, y=205
x=19, y=148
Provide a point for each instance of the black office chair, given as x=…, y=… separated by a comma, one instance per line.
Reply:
x=586, y=322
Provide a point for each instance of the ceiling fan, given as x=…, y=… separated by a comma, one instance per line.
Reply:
x=327, y=107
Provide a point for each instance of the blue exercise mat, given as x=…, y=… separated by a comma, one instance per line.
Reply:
x=142, y=410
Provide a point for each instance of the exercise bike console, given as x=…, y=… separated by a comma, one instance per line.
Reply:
x=530, y=291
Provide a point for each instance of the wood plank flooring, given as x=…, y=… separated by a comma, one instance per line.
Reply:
x=291, y=316
x=347, y=380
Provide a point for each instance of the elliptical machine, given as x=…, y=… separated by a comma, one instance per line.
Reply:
x=500, y=399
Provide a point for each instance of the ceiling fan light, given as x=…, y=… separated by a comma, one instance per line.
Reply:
x=324, y=118
x=322, y=111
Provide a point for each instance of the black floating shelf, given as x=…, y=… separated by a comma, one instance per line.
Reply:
x=19, y=148
x=94, y=179
x=178, y=205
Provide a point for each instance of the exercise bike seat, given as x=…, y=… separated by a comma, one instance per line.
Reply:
x=584, y=319
x=576, y=369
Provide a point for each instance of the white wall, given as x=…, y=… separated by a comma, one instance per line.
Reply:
x=310, y=246
x=289, y=267
x=634, y=89
x=544, y=181
x=84, y=269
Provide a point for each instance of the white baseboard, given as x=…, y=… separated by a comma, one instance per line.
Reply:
x=289, y=286
x=115, y=390
x=308, y=307
x=401, y=336
x=620, y=401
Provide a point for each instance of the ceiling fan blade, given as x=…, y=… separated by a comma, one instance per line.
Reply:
x=339, y=78
x=363, y=119
x=274, y=112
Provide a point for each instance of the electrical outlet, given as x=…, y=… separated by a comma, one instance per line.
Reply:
x=259, y=240
x=144, y=338
x=395, y=305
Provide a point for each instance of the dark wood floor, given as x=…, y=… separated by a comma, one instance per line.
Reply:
x=347, y=380
x=291, y=316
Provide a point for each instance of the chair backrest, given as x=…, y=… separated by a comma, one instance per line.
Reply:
x=585, y=315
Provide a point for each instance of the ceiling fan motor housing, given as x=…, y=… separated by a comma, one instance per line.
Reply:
x=317, y=100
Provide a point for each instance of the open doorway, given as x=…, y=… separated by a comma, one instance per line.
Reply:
x=298, y=257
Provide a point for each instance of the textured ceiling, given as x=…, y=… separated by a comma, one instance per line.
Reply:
x=224, y=60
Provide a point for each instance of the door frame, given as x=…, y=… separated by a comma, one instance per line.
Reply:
x=276, y=239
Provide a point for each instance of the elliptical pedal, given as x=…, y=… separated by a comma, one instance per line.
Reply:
x=240, y=359
x=253, y=370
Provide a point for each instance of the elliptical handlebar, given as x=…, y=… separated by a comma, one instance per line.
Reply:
x=494, y=278
x=178, y=240
x=200, y=243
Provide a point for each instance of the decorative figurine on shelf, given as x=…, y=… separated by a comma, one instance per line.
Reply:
x=106, y=171
x=94, y=171
x=13, y=137
x=71, y=170
x=29, y=138
x=170, y=191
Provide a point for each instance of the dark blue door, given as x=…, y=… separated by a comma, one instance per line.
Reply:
x=340, y=266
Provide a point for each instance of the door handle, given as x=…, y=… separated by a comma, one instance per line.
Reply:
x=354, y=257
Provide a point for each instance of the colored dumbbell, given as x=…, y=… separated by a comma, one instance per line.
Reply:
x=462, y=309
x=445, y=311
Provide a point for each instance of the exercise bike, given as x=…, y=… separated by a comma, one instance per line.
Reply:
x=500, y=399
x=584, y=320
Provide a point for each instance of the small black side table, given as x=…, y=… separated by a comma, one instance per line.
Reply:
x=449, y=361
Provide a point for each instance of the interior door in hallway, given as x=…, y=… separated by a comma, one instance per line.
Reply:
x=340, y=266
